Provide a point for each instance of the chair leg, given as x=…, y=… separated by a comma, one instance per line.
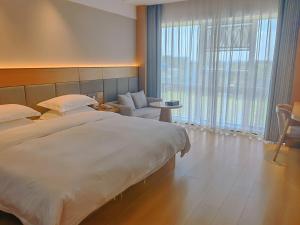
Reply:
x=278, y=146
x=281, y=140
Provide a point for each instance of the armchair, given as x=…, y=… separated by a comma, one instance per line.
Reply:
x=146, y=112
x=288, y=127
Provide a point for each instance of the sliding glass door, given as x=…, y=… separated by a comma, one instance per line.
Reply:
x=219, y=69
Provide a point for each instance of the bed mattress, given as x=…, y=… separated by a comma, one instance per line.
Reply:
x=57, y=172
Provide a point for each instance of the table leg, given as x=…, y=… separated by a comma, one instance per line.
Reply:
x=165, y=115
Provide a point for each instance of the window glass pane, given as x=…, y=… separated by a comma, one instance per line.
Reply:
x=219, y=70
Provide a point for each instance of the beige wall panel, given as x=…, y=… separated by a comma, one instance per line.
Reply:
x=90, y=73
x=109, y=73
x=60, y=33
x=17, y=77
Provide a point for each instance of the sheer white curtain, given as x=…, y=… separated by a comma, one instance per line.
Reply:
x=216, y=58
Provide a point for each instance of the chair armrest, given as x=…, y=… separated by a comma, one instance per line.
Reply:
x=124, y=110
x=152, y=99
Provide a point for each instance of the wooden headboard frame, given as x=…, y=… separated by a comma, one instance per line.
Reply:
x=28, y=76
x=30, y=86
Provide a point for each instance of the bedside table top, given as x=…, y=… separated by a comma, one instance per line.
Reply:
x=113, y=109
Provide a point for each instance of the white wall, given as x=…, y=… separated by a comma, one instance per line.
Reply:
x=58, y=33
x=113, y=6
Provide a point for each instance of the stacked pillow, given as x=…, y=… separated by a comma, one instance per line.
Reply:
x=52, y=114
x=134, y=100
x=66, y=105
x=67, y=102
x=13, y=115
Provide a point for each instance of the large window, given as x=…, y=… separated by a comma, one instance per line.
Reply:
x=220, y=70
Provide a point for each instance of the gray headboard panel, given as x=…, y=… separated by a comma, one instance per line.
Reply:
x=110, y=90
x=122, y=85
x=38, y=93
x=133, y=84
x=113, y=87
x=67, y=88
x=91, y=87
x=13, y=95
x=31, y=95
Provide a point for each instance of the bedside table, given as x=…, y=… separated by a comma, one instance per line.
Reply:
x=113, y=109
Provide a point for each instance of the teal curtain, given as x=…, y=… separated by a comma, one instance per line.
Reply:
x=284, y=60
x=153, y=50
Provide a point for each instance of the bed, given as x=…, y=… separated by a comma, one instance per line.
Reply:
x=59, y=171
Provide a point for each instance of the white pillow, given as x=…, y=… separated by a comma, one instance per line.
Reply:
x=126, y=100
x=140, y=100
x=12, y=112
x=68, y=102
x=14, y=124
x=51, y=114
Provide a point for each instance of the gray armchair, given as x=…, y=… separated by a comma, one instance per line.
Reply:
x=146, y=112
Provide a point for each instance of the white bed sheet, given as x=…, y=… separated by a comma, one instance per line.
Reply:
x=57, y=172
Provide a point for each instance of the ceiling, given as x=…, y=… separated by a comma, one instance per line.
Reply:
x=119, y=7
x=122, y=7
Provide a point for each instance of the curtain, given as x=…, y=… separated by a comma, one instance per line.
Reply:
x=284, y=60
x=216, y=58
x=153, y=50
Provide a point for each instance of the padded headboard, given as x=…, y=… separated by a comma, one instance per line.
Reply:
x=13, y=95
x=37, y=93
x=114, y=87
x=89, y=83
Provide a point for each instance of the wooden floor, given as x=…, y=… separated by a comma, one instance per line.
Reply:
x=224, y=180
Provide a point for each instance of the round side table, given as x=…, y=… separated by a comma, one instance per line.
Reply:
x=165, y=112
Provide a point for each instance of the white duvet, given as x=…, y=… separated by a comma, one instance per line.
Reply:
x=57, y=172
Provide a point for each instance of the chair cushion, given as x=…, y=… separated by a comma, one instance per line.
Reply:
x=293, y=132
x=139, y=99
x=126, y=100
x=147, y=112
